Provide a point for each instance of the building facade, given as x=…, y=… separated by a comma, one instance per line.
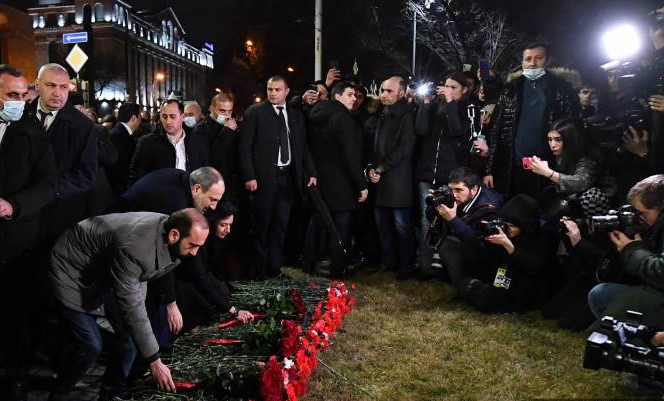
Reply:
x=134, y=55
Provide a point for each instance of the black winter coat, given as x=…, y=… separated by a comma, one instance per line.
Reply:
x=223, y=144
x=444, y=130
x=334, y=142
x=562, y=102
x=28, y=181
x=392, y=156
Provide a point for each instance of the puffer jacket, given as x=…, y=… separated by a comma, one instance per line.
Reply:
x=562, y=102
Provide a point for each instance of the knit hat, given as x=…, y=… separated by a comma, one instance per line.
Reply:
x=594, y=202
x=521, y=211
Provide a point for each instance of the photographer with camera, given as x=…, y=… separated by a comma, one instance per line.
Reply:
x=641, y=256
x=507, y=277
x=455, y=213
x=442, y=129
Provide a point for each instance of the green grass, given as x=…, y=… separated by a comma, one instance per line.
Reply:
x=410, y=341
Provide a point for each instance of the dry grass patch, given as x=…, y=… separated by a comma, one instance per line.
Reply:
x=411, y=341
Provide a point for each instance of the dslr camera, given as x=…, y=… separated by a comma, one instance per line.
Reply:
x=626, y=219
x=606, y=131
x=490, y=227
x=440, y=196
x=625, y=347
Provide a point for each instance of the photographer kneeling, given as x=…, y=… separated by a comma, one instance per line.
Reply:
x=641, y=258
x=455, y=212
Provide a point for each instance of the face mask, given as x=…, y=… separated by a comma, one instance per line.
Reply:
x=534, y=73
x=190, y=121
x=12, y=111
x=221, y=119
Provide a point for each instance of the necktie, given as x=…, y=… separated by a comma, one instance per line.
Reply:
x=43, y=117
x=283, y=136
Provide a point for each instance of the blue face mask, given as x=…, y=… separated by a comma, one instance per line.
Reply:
x=190, y=121
x=534, y=73
x=12, y=110
x=221, y=119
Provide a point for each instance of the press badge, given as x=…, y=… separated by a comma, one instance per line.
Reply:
x=502, y=280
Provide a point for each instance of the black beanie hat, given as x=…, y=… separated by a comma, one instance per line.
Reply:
x=521, y=211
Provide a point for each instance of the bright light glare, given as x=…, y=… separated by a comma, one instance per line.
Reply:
x=622, y=42
x=423, y=89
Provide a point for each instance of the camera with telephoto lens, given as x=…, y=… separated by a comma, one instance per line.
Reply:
x=562, y=228
x=490, y=227
x=626, y=219
x=607, y=131
x=625, y=347
x=440, y=196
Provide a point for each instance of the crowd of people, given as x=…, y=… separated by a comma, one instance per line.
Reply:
x=510, y=189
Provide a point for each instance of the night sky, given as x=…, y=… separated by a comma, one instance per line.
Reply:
x=283, y=30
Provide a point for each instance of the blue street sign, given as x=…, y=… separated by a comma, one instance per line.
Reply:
x=74, y=37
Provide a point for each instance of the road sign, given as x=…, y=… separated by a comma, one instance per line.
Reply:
x=74, y=37
x=76, y=58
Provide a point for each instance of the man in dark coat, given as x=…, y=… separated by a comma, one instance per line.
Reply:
x=522, y=118
x=124, y=137
x=28, y=181
x=102, y=263
x=333, y=141
x=275, y=164
x=74, y=141
x=392, y=174
x=172, y=148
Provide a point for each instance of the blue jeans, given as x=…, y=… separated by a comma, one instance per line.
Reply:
x=424, y=251
x=395, y=223
x=601, y=296
x=87, y=345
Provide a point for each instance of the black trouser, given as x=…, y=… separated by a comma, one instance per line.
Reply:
x=316, y=232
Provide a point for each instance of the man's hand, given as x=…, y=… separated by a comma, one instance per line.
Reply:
x=501, y=239
x=363, y=195
x=635, y=143
x=572, y=231
x=482, y=146
x=656, y=102
x=374, y=176
x=310, y=97
x=488, y=181
x=333, y=75
x=312, y=182
x=447, y=213
x=6, y=209
x=162, y=375
x=251, y=185
x=658, y=339
x=244, y=316
x=620, y=240
x=231, y=124
x=174, y=317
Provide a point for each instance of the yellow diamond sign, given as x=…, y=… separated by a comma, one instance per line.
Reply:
x=76, y=58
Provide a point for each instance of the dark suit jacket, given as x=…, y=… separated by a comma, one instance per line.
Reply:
x=74, y=141
x=154, y=151
x=125, y=144
x=259, y=146
x=161, y=191
x=28, y=181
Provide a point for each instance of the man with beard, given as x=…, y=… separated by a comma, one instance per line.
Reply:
x=99, y=267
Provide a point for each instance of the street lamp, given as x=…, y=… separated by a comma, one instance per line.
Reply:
x=290, y=69
x=157, y=77
x=249, y=43
x=427, y=5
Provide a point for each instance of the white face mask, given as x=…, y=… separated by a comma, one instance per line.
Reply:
x=221, y=119
x=190, y=121
x=534, y=73
x=12, y=110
